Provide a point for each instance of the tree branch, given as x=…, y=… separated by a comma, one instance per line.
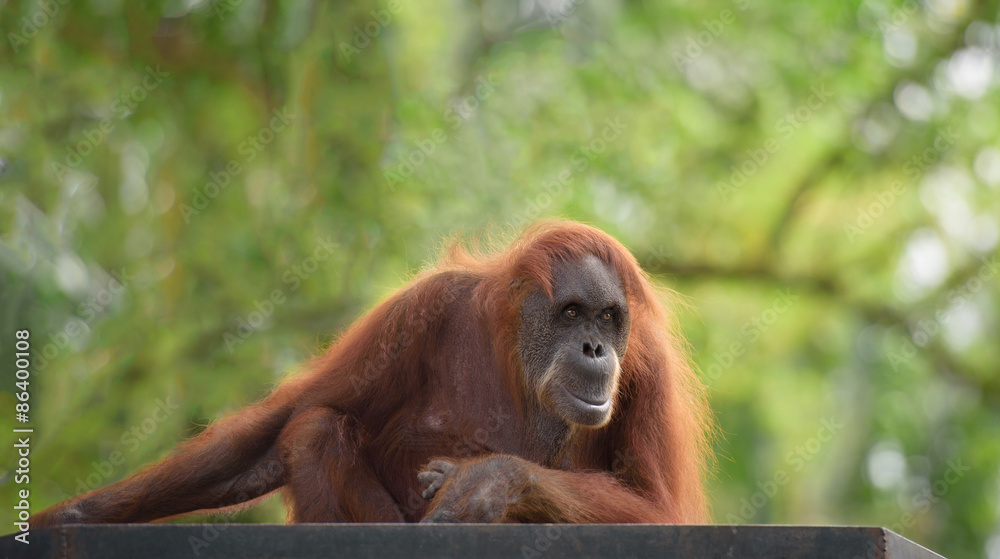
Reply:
x=831, y=288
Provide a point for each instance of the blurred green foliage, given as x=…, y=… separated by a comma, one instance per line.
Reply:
x=821, y=181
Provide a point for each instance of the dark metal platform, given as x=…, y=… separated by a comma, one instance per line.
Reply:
x=471, y=541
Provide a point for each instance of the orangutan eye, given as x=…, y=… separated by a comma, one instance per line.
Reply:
x=606, y=316
x=572, y=312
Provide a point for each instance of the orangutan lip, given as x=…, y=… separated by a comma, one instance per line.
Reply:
x=600, y=404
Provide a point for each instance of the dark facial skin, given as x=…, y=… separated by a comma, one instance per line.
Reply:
x=571, y=345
